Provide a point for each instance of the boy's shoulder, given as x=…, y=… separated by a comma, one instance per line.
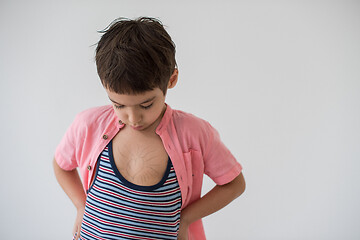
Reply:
x=187, y=118
x=95, y=116
x=192, y=131
x=96, y=111
x=190, y=122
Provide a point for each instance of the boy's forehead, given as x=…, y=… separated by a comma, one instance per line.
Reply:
x=134, y=99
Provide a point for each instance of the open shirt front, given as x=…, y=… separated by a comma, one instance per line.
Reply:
x=192, y=144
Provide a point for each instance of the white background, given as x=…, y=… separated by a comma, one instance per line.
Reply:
x=280, y=80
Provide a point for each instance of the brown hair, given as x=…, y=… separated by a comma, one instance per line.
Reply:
x=134, y=56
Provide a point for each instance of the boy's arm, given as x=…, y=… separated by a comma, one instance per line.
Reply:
x=214, y=200
x=72, y=186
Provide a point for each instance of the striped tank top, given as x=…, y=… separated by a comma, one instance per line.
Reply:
x=118, y=209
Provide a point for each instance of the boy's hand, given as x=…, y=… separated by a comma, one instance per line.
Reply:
x=77, y=225
x=214, y=200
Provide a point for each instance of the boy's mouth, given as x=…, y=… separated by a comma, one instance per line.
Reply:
x=136, y=128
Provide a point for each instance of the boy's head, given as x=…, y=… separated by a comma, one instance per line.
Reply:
x=135, y=56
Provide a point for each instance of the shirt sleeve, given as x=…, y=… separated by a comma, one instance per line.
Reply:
x=219, y=163
x=68, y=152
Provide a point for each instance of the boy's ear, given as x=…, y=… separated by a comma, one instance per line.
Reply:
x=173, y=79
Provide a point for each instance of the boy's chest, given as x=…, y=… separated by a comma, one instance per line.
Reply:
x=142, y=160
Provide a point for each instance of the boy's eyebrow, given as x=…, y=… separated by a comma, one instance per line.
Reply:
x=146, y=101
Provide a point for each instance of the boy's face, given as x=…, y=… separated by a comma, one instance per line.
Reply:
x=140, y=112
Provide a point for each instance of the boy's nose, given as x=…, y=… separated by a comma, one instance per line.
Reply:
x=134, y=118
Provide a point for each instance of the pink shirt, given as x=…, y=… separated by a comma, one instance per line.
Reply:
x=192, y=144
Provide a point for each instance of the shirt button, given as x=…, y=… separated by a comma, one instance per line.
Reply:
x=120, y=122
x=105, y=136
x=89, y=167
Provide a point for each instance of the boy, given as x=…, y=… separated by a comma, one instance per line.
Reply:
x=141, y=162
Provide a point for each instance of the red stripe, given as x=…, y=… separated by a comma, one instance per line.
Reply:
x=129, y=226
x=132, y=218
x=88, y=233
x=117, y=234
x=137, y=201
x=106, y=170
x=133, y=209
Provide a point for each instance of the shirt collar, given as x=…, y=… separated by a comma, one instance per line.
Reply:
x=165, y=119
x=117, y=122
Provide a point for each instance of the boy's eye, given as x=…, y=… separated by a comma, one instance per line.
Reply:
x=147, y=107
x=119, y=106
x=122, y=106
